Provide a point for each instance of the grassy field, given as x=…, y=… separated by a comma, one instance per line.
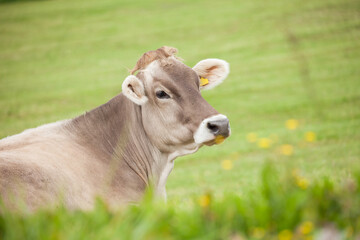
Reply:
x=290, y=60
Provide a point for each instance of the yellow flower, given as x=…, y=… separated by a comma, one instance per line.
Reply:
x=227, y=165
x=287, y=149
x=285, y=235
x=264, y=143
x=292, y=124
x=306, y=227
x=204, y=200
x=258, y=232
x=302, y=182
x=251, y=137
x=219, y=139
x=310, y=137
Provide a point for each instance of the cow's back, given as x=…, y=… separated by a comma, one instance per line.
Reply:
x=44, y=166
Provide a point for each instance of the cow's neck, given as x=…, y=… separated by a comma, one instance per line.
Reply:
x=114, y=132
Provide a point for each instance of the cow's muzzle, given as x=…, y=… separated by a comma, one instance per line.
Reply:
x=213, y=130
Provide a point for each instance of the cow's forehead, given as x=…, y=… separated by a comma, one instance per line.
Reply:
x=171, y=70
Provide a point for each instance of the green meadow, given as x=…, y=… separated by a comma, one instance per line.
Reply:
x=292, y=97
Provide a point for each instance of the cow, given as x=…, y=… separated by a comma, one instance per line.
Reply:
x=119, y=149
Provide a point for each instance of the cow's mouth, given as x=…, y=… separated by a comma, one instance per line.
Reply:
x=217, y=140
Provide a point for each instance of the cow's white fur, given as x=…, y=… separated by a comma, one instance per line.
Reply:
x=134, y=89
x=169, y=165
x=154, y=69
x=203, y=133
x=161, y=186
x=215, y=70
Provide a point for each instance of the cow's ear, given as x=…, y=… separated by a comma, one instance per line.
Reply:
x=211, y=72
x=134, y=90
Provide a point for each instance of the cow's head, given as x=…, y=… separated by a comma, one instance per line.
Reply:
x=174, y=114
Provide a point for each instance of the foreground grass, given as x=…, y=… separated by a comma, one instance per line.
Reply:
x=283, y=207
x=289, y=60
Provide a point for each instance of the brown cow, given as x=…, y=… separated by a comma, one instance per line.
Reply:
x=118, y=149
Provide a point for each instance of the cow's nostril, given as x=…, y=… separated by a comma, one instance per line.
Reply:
x=213, y=128
x=219, y=127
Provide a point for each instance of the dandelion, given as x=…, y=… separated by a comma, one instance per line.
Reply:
x=310, y=137
x=285, y=235
x=287, y=149
x=292, y=124
x=258, y=232
x=264, y=143
x=251, y=137
x=204, y=200
x=306, y=228
x=227, y=165
x=302, y=182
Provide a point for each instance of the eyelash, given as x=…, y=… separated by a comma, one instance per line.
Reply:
x=162, y=95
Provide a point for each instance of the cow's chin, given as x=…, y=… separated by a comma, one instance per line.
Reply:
x=217, y=140
x=210, y=143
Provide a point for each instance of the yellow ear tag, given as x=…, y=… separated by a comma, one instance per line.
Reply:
x=204, y=81
x=219, y=139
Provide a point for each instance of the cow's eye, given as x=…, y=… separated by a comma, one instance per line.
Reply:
x=162, y=95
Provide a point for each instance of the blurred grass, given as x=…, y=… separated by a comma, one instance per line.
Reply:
x=289, y=60
x=280, y=208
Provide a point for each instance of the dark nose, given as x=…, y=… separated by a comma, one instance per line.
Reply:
x=219, y=127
